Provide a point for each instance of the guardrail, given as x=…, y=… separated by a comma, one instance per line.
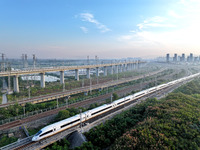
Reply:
x=17, y=143
x=60, y=68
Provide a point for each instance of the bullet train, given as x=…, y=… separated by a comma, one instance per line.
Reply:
x=77, y=119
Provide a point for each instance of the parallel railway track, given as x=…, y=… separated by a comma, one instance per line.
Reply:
x=159, y=89
x=65, y=93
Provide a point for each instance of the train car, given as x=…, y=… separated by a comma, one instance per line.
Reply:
x=123, y=100
x=57, y=127
x=161, y=86
x=100, y=110
x=72, y=121
x=150, y=90
x=140, y=94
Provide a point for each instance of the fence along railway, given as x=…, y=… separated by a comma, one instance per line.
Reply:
x=62, y=94
x=84, y=117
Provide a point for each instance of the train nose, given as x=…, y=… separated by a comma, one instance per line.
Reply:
x=34, y=138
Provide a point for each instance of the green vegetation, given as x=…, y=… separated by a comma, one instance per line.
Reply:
x=16, y=110
x=60, y=145
x=5, y=140
x=105, y=134
x=190, y=88
x=171, y=124
x=33, y=131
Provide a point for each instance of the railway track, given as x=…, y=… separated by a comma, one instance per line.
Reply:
x=52, y=96
x=51, y=139
x=24, y=146
x=84, y=103
x=105, y=116
x=55, y=111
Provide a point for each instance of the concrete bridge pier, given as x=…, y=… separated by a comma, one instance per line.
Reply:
x=16, y=84
x=111, y=69
x=88, y=73
x=126, y=67
x=42, y=80
x=116, y=69
x=105, y=71
x=77, y=74
x=123, y=68
x=62, y=79
x=97, y=71
x=135, y=65
x=132, y=66
x=138, y=65
x=120, y=68
x=129, y=67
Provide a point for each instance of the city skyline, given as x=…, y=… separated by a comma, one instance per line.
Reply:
x=114, y=29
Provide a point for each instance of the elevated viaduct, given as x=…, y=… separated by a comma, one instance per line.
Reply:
x=117, y=67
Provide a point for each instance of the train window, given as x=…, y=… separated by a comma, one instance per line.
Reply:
x=38, y=133
x=139, y=95
x=101, y=110
x=69, y=123
x=123, y=101
x=46, y=132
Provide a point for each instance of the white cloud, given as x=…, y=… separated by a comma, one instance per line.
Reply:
x=174, y=14
x=177, y=31
x=84, y=29
x=156, y=21
x=132, y=31
x=90, y=18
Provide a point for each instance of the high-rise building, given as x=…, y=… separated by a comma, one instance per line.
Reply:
x=183, y=57
x=195, y=59
x=191, y=57
x=175, y=58
x=188, y=58
x=167, y=58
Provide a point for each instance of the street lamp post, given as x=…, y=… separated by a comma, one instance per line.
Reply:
x=81, y=120
x=24, y=109
x=29, y=92
x=57, y=102
x=67, y=98
x=90, y=86
x=111, y=97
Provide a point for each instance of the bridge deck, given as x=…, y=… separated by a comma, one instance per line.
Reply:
x=55, y=69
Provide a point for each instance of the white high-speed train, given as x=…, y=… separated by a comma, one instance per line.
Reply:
x=77, y=119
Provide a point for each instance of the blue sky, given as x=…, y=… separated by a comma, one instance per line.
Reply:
x=106, y=28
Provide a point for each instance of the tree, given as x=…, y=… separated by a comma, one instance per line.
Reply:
x=115, y=96
x=63, y=114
